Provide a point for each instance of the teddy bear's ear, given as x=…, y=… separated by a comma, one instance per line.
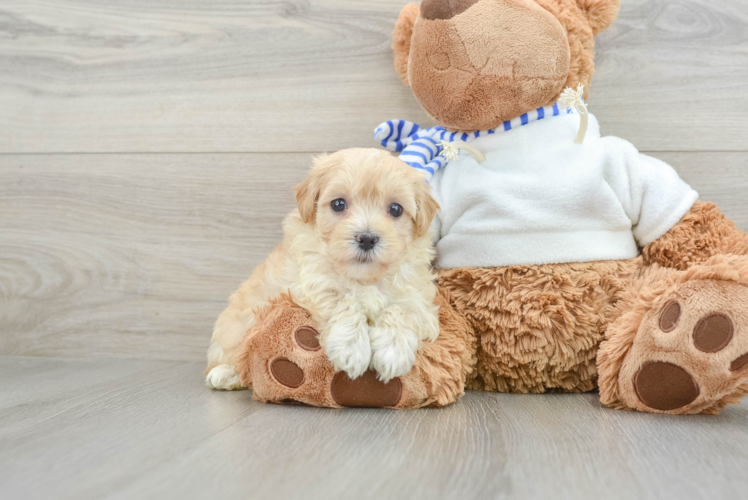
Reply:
x=601, y=13
x=401, y=39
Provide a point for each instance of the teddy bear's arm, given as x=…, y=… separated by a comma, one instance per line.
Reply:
x=656, y=194
x=702, y=233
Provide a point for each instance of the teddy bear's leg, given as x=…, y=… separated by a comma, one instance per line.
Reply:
x=680, y=344
x=282, y=361
x=685, y=324
x=539, y=327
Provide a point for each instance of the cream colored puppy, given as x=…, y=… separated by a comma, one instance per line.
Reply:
x=357, y=255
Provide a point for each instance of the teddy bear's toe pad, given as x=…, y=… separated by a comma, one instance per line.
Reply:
x=287, y=373
x=713, y=333
x=307, y=338
x=739, y=363
x=670, y=317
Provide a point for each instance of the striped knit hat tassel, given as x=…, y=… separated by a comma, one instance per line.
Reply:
x=571, y=98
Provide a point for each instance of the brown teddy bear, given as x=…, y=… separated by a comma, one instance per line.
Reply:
x=568, y=261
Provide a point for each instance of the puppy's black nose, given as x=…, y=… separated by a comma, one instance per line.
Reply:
x=367, y=241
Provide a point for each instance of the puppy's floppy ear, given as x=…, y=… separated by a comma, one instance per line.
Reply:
x=601, y=13
x=401, y=39
x=307, y=193
x=427, y=208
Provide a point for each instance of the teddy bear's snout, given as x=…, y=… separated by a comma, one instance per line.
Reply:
x=444, y=9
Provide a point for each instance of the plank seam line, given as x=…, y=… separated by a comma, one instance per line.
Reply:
x=154, y=153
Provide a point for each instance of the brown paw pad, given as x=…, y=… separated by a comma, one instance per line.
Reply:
x=287, y=373
x=307, y=338
x=713, y=333
x=665, y=386
x=670, y=317
x=739, y=362
x=365, y=391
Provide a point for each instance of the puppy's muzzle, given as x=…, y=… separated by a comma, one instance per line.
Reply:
x=367, y=241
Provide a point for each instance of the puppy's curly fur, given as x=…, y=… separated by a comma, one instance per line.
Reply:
x=374, y=307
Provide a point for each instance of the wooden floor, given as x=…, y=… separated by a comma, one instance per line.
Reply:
x=147, y=151
x=95, y=428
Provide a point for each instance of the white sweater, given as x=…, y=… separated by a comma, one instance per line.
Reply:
x=539, y=198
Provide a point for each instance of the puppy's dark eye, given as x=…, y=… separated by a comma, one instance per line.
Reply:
x=396, y=210
x=339, y=205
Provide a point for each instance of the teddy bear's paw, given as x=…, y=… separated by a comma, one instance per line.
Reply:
x=284, y=360
x=323, y=386
x=292, y=367
x=690, y=354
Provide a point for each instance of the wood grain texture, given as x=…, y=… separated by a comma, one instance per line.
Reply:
x=80, y=429
x=114, y=429
x=136, y=255
x=301, y=75
x=671, y=75
x=112, y=256
x=132, y=255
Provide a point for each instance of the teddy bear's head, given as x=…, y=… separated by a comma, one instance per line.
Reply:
x=473, y=64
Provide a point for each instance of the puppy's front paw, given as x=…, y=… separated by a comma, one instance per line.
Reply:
x=223, y=378
x=348, y=348
x=393, y=351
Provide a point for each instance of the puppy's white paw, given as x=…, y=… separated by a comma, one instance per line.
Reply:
x=393, y=351
x=223, y=378
x=348, y=348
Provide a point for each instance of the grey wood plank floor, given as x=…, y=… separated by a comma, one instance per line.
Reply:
x=149, y=429
x=147, y=151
